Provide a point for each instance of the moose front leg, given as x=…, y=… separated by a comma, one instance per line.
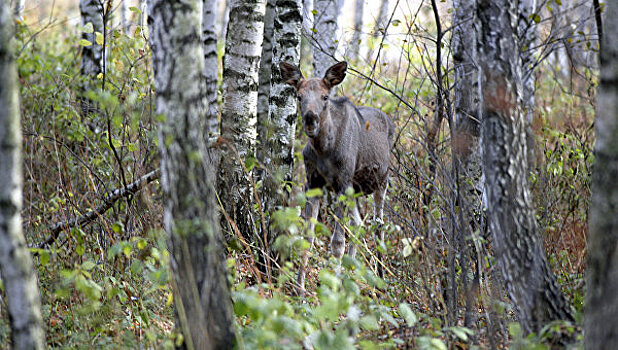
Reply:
x=312, y=208
x=337, y=241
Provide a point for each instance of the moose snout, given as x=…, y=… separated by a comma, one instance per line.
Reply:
x=312, y=123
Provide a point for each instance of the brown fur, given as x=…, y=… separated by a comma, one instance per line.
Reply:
x=348, y=146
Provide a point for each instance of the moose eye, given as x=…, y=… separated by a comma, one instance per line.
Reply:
x=325, y=97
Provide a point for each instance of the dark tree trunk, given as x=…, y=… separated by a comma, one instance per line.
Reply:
x=530, y=282
x=201, y=290
x=601, y=318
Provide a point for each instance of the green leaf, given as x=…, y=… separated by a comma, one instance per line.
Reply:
x=369, y=323
x=43, y=257
x=88, y=265
x=408, y=314
x=84, y=42
x=314, y=192
x=536, y=18
x=461, y=332
x=88, y=28
x=80, y=249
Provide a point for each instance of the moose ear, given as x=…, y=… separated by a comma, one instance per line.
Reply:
x=335, y=74
x=290, y=73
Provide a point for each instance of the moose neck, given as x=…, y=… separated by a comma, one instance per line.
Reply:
x=324, y=142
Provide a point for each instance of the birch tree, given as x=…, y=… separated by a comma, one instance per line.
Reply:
x=16, y=269
x=530, y=281
x=265, y=69
x=358, y=29
x=324, y=39
x=277, y=137
x=201, y=290
x=601, y=316
x=243, y=48
x=92, y=55
x=382, y=20
x=211, y=66
x=124, y=16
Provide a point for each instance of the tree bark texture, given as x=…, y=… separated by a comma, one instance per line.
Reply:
x=211, y=65
x=466, y=146
x=601, y=315
x=527, y=39
x=92, y=56
x=358, y=29
x=265, y=69
x=530, y=282
x=202, y=296
x=243, y=49
x=324, y=39
x=16, y=269
x=277, y=135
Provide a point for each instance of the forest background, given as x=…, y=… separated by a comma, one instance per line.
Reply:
x=94, y=200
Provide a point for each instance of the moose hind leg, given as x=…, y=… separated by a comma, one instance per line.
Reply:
x=378, y=198
x=358, y=221
x=312, y=208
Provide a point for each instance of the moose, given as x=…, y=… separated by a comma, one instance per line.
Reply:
x=349, y=147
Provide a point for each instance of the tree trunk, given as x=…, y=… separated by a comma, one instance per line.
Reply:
x=18, y=7
x=197, y=258
x=601, y=315
x=20, y=283
x=92, y=55
x=358, y=29
x=243, y=48
x=225, y=20
x=277, y=134
x=211, y=66
x=265, y=70
x=382, y=19
x=324, y=39
x=526, y=35
x=124, y=16
x=466, y=147
x=530, y=282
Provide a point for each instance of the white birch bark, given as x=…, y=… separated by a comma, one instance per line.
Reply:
x=197, y=256
x=225, y=19
x=211, y=66
x=324, y=40
x=265, y=69
x=16, y=269
x=277, y=151
x=358, y=29
x=243, y=48
x=18, y=7
x=124, y=16
x=601, y=316
x=92, y=56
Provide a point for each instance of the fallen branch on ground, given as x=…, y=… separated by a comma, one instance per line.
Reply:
x=85, y=219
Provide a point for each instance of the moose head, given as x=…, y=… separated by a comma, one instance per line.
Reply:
x=313, y=93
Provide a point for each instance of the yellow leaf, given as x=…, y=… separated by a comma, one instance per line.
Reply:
x=99, y=38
